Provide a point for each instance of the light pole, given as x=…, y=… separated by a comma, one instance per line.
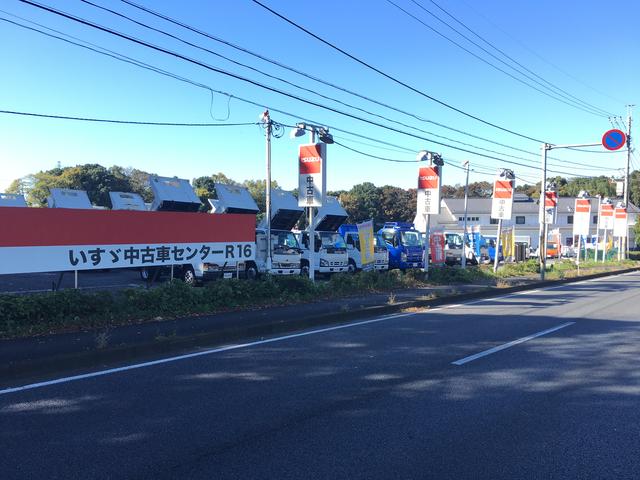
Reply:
x=463, y=260
x=271, y=129
x=325, y=137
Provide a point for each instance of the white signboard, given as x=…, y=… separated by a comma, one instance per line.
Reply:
x=312, y=175
x=97, y=257
x=620, y=222
x=606, y=216
x=429, y=190
x=502, y=203
x=581, y=216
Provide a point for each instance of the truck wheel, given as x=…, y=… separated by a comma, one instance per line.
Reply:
x=304, y=269
x=144, y=273
x=251, y=272
x=188, y=276
x=351, y=268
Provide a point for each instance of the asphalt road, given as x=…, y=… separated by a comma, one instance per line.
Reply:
x=405, y=397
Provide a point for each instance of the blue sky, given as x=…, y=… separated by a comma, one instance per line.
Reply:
x=593, y=43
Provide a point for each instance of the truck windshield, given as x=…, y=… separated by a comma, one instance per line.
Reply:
x=410, y=239
x=454, y=240
x=379, y=241
x=284, y=240
x=331, y=240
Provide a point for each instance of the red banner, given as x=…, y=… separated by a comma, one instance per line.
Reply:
x=22, y=227
x=436, y=247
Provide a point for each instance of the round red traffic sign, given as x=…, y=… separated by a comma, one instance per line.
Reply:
x=614, y=139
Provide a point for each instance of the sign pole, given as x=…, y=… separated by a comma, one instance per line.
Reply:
x=543, y=223
x=497, y=252
x=595, y=257
x=312, y=229
x=626, y=177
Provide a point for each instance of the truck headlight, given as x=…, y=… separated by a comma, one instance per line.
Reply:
x=324, y=263
x=403, y=257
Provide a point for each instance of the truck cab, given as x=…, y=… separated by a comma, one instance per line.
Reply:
x=352, y=239
x=453, y=248
x=285, y=252
x=330, y=250
x=404, y=244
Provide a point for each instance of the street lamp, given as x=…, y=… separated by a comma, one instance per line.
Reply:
x=463, y=260
x=325, y=137
x=277, y=130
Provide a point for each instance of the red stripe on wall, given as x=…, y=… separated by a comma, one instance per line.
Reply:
x=21, y=227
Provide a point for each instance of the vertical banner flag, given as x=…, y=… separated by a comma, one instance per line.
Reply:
x=436, y=248
x=429, y=190
x=502, y=203
x=312, y=175
x=606, y=216
x=507, y=240
x=582, y=217
x=365, y=235
x=550, y=206
x=620, y=222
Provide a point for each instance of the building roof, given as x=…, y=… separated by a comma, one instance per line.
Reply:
x=482, y=205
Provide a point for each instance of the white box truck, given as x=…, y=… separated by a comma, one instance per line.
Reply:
x=330, y=250
x=285, y=251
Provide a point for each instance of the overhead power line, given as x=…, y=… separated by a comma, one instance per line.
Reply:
x=548, y=85
x=564, y=99
x=377, y=102
x=247, y=80
x=319, y=80
x=157, y=70
x=393, y=79
x=523, y=45
x=125, y=122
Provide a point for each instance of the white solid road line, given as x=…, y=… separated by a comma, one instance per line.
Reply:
x=196, y=354
x=286, y=337
x=471, y=358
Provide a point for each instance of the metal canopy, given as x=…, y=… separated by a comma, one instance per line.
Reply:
x=233, y=199
x=67, y=198
x=330, y=216
x=127, y=201
x=285, y=211
x=173, y=195
x=12, y=200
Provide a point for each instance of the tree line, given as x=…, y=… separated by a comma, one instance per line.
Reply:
x=363, y=201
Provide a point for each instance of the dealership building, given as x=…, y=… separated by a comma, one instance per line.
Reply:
x=524, y=218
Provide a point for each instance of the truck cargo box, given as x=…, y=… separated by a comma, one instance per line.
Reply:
x=173, y=195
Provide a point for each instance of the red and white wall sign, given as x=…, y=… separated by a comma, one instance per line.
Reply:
x=429, y=190
x=606, y=216
x=55, y=240
x=502, y=203
x=312, y=174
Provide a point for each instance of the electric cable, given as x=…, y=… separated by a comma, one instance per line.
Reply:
x=551, y=85
x=570, y=102
x=393, y=79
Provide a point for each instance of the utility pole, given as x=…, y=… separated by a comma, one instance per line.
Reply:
x=463, y=260
x=268, y=127
x=627, y=180
x=543, y=221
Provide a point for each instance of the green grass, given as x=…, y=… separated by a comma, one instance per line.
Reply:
x=73, y=310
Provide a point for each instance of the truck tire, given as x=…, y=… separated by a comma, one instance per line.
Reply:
x=188, y=276
x=251, y=271
x=144, y=274
x=304, y=268
x=351, y=268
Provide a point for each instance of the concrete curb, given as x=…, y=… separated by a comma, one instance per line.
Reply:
x=252, y=324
